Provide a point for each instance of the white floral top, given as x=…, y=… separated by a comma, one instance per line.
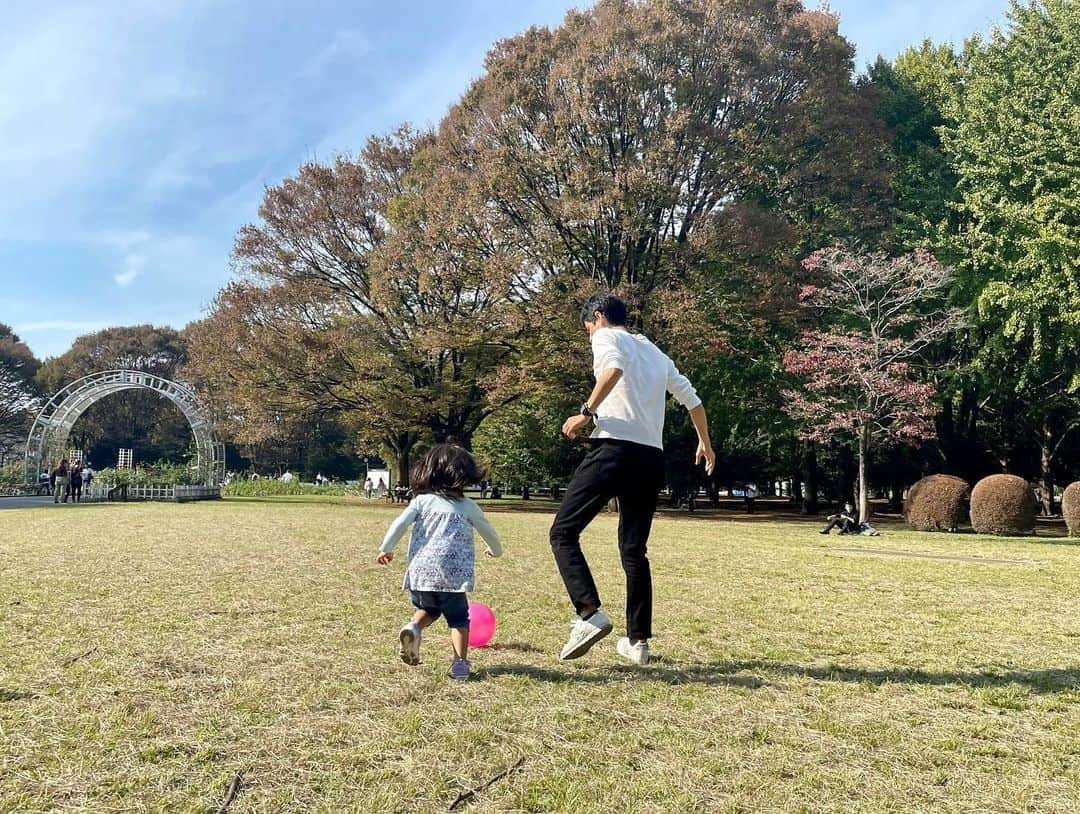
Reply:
x=441, y=551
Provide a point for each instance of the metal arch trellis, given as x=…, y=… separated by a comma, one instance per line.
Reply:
x=52, y=427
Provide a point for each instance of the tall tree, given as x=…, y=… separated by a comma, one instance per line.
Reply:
x=685, y=153
x=606, y=143
x=878, y=315
x=1015, y=146
x=918, y=97
x=365, y=291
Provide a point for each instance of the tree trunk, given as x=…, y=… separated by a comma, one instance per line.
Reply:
x=896, y=499
x=848, y=476
x=714, y=493
x=401, y=447
x=808, y=465
x=1046, y=460
x=864, y=466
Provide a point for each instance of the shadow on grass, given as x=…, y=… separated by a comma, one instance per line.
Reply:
x=15, y=695
x=520, y=647
x=621, y=674
x=1043, y=681
x=765, y=673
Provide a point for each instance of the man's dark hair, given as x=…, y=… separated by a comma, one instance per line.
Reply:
x=447, y=469
x=613, y=309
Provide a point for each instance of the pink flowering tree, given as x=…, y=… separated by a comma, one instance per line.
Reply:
x=856, y=371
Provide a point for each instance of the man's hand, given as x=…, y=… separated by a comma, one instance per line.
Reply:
x=488, y=552
x=575, y=426
x=384, y=558
x=705, y=453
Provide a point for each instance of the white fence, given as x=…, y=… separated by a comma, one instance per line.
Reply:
x=97, y=491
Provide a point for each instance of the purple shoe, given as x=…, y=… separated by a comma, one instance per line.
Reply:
x=459, y=669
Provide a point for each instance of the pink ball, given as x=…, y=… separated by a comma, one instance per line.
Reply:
x=481, y=625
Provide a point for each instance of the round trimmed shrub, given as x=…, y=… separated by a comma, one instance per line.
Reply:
x=937, y=503
x=1004, y=505
x=1070, y=507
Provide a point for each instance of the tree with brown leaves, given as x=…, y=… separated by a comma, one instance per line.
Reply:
x=362, y=292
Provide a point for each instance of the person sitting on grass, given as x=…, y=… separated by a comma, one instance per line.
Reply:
x=847, y=519
x=441, y=557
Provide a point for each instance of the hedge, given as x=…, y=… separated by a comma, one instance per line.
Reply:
x=1004, y=505
x=1070, y=507
x=937, y=503
x=266, y=487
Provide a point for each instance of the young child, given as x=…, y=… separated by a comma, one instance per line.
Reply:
x=440, y=571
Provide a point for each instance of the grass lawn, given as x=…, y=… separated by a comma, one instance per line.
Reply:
x=151, y=653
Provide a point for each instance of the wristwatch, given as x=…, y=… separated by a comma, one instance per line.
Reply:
x=585, y=411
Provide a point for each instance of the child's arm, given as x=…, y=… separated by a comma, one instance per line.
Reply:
x=485, y=529
x=396, y=532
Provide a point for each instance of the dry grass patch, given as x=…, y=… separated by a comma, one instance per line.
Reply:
x=151, y=653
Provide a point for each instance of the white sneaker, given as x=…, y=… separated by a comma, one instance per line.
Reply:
x=584, y=633
x=635, y=653
x=410, y=644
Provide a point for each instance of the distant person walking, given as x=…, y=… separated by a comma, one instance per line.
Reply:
x=61, y=476
x=369, y=487
x=750, y=493
x=76, y=482
x=633, y=378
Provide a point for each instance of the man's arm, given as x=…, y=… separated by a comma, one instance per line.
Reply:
x=604, y=385
x=608, y=379
x=680, y=387
x=704, y=448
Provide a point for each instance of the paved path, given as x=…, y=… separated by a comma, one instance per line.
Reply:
x=24, y=502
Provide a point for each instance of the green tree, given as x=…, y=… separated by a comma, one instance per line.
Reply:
x=1015, y=148
x=918, y=97
x=522, y=444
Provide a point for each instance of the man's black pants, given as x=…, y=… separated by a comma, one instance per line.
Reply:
x=846, y=526
x=633, y=473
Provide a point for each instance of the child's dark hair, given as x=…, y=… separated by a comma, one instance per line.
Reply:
x=613, y=309
x=447, y=469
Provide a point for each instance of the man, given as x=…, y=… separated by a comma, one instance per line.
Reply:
x=847, y=519
x=627, y=405
x=750, y=495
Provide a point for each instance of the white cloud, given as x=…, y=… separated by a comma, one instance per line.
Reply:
x=131, y=271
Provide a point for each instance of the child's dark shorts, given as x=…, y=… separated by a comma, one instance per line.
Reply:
x=454, y=606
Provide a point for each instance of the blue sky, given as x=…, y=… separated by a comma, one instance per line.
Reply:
x=136, y=136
